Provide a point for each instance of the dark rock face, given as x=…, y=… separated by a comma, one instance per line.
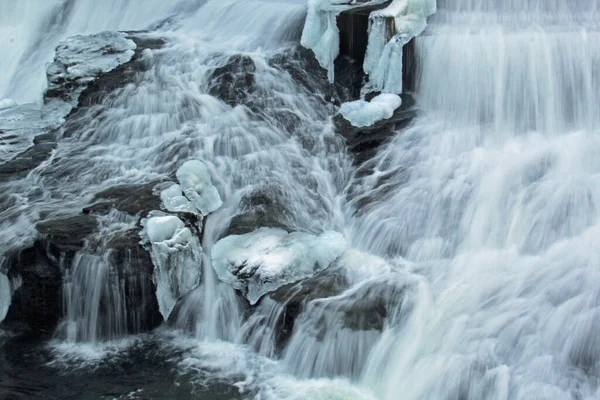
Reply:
x=23, y=163
x=295, y=298
x=131, y=199
x=321, y=303
x=38, y=300
x=263, y=207
x=234, y=81
x=353, y=25
x=304, y=68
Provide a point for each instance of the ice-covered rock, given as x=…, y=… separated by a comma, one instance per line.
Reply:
x=321, y=33
x=177, y=257
x=5, y=296
x=266, y=259
x=79, y=60
x=361, y=113
x=7, y=103
x=197, y=186
x=383, y=59
x=174, y=200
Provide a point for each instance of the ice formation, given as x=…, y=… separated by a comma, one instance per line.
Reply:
x=197, y=186
x=79, y=59
x=383, y=60
x=7, y=103
x=174, y=200
x=177, y=257
x=362, y=113
x=5, y=296
x=321, y=34
x=266, y=259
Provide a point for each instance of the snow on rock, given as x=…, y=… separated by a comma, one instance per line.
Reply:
x=174, y=200
x=7, y=103
x=79, y=60
x=361, y=113
x=262, y=261
x=197, y=186
x=383, y=60
x=177, y=257
x=5, y=296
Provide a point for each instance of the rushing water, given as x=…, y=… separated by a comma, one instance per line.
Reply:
x=474, y=268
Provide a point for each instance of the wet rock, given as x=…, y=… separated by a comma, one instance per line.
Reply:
x=263, y=207
x=325, y=303
x=23, y=163
x=234, y=81
x=304, y=68
x=67, y=235
x=135, y=269
x=131, y=199
x=37, y=302
x=363, y=142
x=353, y=25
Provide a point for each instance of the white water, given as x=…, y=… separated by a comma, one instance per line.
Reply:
x=480, y=236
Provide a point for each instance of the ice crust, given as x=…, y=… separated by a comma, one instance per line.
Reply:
x=174, y=200
x=197, y=186
x=362, y=113
x=80, y=59
x=177, y=257
x=262, y=261
x=5, y=296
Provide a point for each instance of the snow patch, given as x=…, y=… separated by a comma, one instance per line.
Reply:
x=361, y=113
x=266, y=259
x=197, y=186
x=177, y=257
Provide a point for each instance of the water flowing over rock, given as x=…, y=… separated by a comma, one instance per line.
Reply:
x=259, y=262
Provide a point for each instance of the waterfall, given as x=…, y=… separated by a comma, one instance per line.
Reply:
x=456, y=260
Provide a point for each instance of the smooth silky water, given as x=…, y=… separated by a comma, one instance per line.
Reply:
x=476, y=227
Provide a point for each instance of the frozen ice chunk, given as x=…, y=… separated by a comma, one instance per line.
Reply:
x=361, y=113
x=174, y=200
x=197, y=186
x=5, y=296
x=266, y=259
x=177, y=257
x=7, y=103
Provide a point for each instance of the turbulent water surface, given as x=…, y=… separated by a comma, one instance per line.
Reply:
x=458, y=260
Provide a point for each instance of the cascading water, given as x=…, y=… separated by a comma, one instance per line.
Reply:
x=471, y=267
